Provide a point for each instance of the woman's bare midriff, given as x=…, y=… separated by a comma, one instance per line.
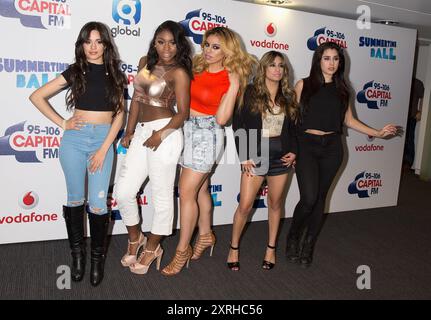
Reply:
x=149, y=113
x=194, y=113
x=318, y=132
x=94, y=117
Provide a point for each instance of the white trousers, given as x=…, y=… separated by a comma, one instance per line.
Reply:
x=160, y=165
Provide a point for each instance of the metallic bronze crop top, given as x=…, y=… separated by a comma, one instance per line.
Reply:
x=153, y=89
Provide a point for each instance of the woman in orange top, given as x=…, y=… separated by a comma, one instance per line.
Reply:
x=221, y=73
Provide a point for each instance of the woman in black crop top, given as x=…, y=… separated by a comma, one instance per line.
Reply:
x=266, y=145
x=95, y=94
x=324, y=106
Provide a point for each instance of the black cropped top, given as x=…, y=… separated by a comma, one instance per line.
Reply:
x=95, y=96
x=324, y=111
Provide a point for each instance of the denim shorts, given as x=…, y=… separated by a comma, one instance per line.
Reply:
x=203, y=142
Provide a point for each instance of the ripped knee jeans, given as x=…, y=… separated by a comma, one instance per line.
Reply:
x=75, y=150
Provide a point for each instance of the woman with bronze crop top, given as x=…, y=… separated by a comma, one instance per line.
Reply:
x=96, y=87
x=324, y=104
x=154, y=140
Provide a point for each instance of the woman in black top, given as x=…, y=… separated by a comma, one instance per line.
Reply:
x=324, y=106
x=264, y=137
x=95, y=94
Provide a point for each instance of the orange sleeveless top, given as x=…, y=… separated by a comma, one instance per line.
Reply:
x=207, y=89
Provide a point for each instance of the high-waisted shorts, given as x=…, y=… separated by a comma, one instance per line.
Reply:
x=203, y=142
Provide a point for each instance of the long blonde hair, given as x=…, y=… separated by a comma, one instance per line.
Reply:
x=236, y=60
x=285, y=97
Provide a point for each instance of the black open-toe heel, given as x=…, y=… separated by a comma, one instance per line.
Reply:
x=234, y=266
x=266, y=265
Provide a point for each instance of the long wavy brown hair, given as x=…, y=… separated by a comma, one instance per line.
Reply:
x=237, y=60
x=116, y=79
x=285, y=97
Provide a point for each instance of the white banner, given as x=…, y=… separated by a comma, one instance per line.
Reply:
x=38, y=39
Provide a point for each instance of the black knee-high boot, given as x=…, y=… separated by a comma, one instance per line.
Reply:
x=99, y=229
x=74, y=217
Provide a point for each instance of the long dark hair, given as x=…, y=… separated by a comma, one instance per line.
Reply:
x=285, y=97
x=315, y=80
x=116, y=78
x=184, y=51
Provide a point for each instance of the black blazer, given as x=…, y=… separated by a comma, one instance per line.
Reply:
x=244, y=119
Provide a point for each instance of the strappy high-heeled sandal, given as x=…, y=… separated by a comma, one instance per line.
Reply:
x=267, y=265
x=140, y=268
x=204, y=241
x=234, y=266
x=181, y=258
x=130, y=258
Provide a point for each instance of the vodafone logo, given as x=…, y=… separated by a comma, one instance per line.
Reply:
x=271, y=30
x=29, y=200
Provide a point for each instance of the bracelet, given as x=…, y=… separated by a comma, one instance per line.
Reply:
x=63, y=124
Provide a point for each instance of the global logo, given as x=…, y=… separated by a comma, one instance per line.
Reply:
x=41, y=14
x=259, y=202
x=127, y=13
x=26, y=141
x=271, y=30
x=29, y=200
x=366, y=184
x=375, y=95
x=197, y=22
x=323, y=35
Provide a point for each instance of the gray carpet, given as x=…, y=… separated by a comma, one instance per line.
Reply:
x=394, y=242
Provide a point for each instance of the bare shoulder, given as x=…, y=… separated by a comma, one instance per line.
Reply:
x=180, y=74
x=142, y=62
x=299, y=85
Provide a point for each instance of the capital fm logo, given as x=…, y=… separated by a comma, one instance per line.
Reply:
x=142, y=200
x=325, y=34
x=270, y=30
x=127, y=14
x=41, y=14
x=198, y=21
x=380, y=49
x=31, y=74
x=130, y=70
x=375, y=95
x=261, y=197
x=366, y=184
x=30, y=143
x=29, y=200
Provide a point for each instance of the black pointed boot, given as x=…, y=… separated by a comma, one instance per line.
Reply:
x=74, y=217
x=293, y=248
x=307, y=251
x=99, y=230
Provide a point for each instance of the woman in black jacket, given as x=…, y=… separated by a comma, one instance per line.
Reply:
x=265, y=142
